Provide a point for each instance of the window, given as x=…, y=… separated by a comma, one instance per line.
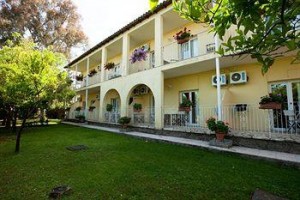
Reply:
x=189, y=49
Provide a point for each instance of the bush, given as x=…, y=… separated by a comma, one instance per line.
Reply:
x=124, y=120
x=109, y=107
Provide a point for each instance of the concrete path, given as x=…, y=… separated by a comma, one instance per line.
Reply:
x=264, y=154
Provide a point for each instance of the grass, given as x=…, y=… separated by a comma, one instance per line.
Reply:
x=120, y=167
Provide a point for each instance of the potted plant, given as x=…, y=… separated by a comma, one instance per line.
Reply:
x=219, y=127
x=185, y=105
x=81, y=118
x=109, y=107
x=91, y=108
x=109, y=65
x=271, y=101
x=137, y=107
x=139, y=54
x=183, y=36
x=78, y=108
x=124, y=121
x=92, y=72
x=79, y=77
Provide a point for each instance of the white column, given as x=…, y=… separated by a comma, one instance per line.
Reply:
x=219, y=97
x=86, y=104
x=103, y=62
x=100, y=106
x=158, y=40
x=125, y=54
x=159, y=102
x=87, y=71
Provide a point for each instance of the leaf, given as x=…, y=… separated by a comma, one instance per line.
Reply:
x=153, y=4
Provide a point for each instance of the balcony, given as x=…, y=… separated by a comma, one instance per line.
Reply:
x=199, y=45
x=96, y=78
x=114, y=73
x=143, y=65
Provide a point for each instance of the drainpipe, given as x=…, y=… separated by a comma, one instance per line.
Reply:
x=219, y=97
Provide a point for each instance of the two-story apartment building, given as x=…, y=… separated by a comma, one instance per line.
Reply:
x=173, y=72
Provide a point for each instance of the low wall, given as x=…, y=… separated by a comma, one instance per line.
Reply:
x=264, y=144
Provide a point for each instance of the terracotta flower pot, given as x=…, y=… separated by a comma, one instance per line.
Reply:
x=181, y=41
x=186, y=109
x=271, y=105
x=220, y=136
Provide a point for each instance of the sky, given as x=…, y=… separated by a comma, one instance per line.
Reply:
x=102, y=18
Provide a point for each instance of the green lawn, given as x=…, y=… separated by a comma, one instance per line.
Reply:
x=121, y=167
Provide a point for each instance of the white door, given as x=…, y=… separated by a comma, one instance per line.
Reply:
x=193, y=97
x=290, y=91
x=189, y=49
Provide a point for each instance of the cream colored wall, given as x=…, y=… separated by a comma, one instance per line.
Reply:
x=249, y=93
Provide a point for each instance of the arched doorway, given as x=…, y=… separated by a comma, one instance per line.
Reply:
x=141, y=106
x=112, y=106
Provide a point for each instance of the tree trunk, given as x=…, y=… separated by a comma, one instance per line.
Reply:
x=18, y=138
x=14, y=121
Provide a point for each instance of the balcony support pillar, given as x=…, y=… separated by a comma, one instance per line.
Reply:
x=86, y=104
x=125, y=54
x=159, y=101
x=158, y=40
x=87, y=71
x=103, y=62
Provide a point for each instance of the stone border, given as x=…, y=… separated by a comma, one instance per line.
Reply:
x=263, y=144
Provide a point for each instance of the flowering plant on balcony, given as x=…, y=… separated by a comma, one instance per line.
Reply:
x=92, y=72
x=139, y=54
x=183, y=36
x=109, y=65
x=185, y=105
x=271, y=101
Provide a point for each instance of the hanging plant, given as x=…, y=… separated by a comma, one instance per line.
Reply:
x=109, y=65
x=92, y=72
x=139, y=54
x=183, y=36
x=79, y=77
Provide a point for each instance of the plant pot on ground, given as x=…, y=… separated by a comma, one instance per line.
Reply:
x=124, y=121
x=220, y=128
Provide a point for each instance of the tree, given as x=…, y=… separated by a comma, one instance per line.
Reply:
x=30, y=79
x=264, y=29
x=48, y=22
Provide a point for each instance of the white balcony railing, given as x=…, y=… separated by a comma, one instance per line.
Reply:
x=112, y=117
x=143, y=65
x=95, y=79
x=241, y=118
x=201, y=44
x=144, y=118
x=114, y=73
x=93, y=115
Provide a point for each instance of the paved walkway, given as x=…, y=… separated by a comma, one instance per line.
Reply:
x=265, y=154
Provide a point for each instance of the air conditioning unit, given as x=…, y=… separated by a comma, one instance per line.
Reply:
x=144, y=90
x=238, y=77
x=222, y=79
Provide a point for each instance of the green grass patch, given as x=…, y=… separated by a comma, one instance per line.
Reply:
x=121, y=167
